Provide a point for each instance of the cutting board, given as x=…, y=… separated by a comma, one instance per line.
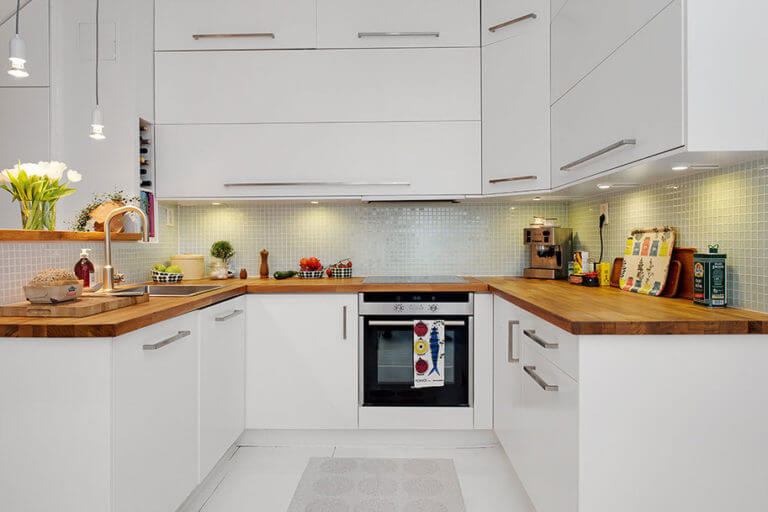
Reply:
x=679, y=279
x=86, y=305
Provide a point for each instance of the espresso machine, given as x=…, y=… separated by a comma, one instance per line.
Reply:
x=551, y=249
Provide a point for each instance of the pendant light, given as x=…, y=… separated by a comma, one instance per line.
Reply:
x=97, y=118
x=18, y=51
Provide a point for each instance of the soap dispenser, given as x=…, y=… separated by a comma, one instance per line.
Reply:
x=84, y=269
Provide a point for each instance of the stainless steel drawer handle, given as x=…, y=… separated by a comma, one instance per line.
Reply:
x=532, y=334
x=511, y=341
x=318, y=183
x=344, y=322
x=531, y=370
x=607, y=149
x=233, y=314
x=515, y=178
x=397, y=34
x=529, y=16
x=397, y=323
x=270, y=35
x=161, y=344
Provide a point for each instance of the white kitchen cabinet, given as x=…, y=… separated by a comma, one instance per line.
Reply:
x=322, y=159
x=301, y=354
x=234, y=24
x=426, y=84
x=515, y=139
x=33, y=29
x=397, y=23
x=504, y=19
x=222, y=379
x=156, y=415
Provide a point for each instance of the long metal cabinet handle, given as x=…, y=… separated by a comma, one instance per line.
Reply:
x=398, y=34
x=397, y=323
x=532, y=334
x=161, y=344
x=270, y=35
x=531, y=370
x=607, y=149
x=344, y=322
x=529, y=16
x=515, y=178
x=318, y=183
x=511, y=341
x=233, y=314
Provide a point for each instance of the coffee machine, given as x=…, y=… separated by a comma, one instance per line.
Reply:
x=551, y=249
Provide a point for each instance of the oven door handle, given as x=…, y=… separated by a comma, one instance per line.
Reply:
x=401, y=323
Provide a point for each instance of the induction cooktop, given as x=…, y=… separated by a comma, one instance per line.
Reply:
x=414, y=280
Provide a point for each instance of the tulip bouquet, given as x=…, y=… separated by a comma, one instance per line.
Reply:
x=37, y=187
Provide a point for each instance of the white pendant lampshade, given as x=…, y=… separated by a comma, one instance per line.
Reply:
x=18, y=51
x=97, y=124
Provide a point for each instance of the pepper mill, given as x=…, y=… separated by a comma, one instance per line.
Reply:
x=243, y=274
x=264, y=270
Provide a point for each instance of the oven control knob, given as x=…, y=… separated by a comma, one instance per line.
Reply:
x=433, y=307
x=399, y=307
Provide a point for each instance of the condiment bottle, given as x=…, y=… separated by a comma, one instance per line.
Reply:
x=84, y=269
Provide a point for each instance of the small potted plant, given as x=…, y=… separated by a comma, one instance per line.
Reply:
x=222, y=251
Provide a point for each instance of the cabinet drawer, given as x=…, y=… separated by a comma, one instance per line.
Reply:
x=549, y=429
x=397, y=23
x=325, y=159
x=234, y=24
x=429, y=84
x=561, y=348
x=629, y=108
x=503, y=19
x=584, y=32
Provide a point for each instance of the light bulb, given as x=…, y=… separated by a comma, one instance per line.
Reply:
x=97, y=124
x=18, y=58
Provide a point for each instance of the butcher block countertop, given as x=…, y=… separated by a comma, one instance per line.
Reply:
x=576, y=309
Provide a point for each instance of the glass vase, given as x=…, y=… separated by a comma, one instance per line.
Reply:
x=38, y=215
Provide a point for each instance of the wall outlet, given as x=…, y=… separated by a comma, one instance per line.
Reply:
x=604, y=211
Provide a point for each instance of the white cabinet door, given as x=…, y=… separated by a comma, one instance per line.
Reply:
x=548, y=429
x=156, y=415
x=397, y=23
x=503, y=19
x=585, y=32
x=234, y=24
x=33, y=29
x=516, y=112
x=301, y=353
x=222, y=379
x=423, y=84
x=635, y=95
x=323, y=159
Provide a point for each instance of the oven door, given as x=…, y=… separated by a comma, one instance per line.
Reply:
x=387, y=363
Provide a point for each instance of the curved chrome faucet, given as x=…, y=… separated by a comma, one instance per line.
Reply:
x=109, y=276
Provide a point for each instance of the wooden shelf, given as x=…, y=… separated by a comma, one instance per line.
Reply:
x=21, y=235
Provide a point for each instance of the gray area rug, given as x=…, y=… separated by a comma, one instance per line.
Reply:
x=378, y=485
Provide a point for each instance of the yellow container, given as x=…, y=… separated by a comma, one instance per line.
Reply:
x=191, y=265
x=604, y=273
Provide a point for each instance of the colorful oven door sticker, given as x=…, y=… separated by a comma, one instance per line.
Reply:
x=429, y=350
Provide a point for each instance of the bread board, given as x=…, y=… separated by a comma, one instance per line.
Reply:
x=86, y=305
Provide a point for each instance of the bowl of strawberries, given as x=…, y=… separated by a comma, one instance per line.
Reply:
x=310, y=268
x=340, y=270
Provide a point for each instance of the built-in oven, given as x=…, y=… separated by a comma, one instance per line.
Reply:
x=387, y=348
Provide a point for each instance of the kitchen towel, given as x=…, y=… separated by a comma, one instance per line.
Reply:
x=646, y=260
x=428, y=353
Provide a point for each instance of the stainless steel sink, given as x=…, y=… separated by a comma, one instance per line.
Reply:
x=159, y=290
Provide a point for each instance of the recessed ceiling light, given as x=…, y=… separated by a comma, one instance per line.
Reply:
x=537, y=198
x=215, y=204
x=700, y=167
x=680, y=168
x=603, y=186
x=314, y=202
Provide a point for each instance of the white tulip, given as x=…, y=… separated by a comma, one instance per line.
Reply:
x=54, y=170
x=74, y=176
x=32, y=169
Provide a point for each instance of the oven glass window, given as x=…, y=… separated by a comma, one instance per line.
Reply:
x=394, y=356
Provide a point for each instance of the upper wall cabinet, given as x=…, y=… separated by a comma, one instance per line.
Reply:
x=397, y=23
x=503, y=19
x=234, y=24
x=33, y=29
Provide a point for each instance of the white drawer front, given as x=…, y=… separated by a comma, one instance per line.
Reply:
x=430, y=84
x=549, y=466
x=397, y=23
x=585, y=32
x=326, y=159
x=635, y=95
x=503, y=19
x=561, y=348
x=234, y=24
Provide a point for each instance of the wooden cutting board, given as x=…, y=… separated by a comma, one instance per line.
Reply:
x=85, y=305
x=679, y=279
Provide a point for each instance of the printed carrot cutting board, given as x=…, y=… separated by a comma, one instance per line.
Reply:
x=646, y=260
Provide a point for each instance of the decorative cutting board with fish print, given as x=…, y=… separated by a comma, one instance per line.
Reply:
x=428, y=353
x=646, y=260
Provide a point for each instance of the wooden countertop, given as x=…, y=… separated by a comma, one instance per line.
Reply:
x=606, y=310
x=576, y=309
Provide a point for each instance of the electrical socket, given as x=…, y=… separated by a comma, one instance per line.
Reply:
x=604, y=211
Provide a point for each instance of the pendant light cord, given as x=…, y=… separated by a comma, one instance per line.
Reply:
x=97, y=52
x=18, y=8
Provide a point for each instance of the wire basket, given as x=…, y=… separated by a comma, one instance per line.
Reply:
x=165, y=277
x=311, y=274
x=341, y=273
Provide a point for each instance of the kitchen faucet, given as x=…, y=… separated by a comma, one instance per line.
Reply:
x=109, y=276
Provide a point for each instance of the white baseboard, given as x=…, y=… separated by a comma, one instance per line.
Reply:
x=416, y=418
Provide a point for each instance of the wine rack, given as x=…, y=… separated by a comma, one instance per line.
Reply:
x=146, y=173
